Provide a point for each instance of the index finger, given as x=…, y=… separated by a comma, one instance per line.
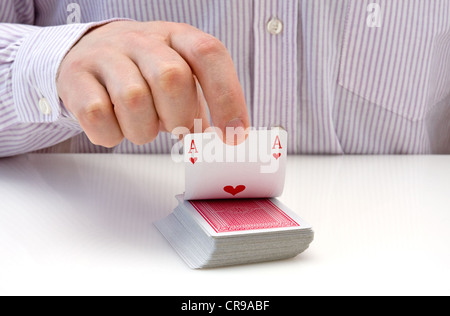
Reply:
x=213, y=66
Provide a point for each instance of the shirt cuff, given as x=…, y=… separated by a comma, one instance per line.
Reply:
x=35, y=71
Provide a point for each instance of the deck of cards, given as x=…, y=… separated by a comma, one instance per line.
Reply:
x=229, y=214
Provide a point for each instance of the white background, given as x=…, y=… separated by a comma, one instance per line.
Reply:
x=83, y=225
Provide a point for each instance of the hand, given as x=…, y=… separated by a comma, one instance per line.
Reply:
x=132, y=80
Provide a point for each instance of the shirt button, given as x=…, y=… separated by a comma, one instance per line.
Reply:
x=274, y=26
x=45, y=107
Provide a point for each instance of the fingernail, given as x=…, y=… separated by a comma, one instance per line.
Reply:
x=236, y=123
x=235, y=132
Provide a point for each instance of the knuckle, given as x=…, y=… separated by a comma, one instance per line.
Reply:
x=134, y=36
x=135, y=39
x=208, y=45
x=72, y=66
x=173, y=77
x=93, y=114
x=158, y=37
x=133, y=96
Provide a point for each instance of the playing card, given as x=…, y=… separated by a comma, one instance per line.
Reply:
x=252, y=169
x=242, y=216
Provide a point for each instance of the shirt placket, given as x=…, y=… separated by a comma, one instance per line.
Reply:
x=275, y=66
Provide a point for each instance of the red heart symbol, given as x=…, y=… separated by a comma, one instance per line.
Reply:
x=193, y=160
x=277, y=156
x=234, y=191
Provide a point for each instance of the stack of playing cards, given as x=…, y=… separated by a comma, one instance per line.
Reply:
x=228, y=214
x=213, y=233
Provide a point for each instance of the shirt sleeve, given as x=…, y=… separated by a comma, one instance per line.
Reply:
x=32, y=116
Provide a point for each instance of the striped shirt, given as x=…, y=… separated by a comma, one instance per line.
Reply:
x=341, y=76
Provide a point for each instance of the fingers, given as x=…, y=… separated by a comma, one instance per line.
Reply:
x=148, y=77
x=214, y=68
x=172, y=84
x=203, y=110
x=131, y=98
x=93, y=109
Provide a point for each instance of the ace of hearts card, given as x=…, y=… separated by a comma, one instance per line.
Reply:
x=253, y=169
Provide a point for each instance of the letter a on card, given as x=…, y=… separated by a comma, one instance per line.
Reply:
x=193, y=148
x=277, y=143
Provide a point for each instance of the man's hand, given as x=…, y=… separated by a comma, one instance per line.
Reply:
x=135, y=79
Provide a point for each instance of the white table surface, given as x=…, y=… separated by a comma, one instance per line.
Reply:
x=82, y=225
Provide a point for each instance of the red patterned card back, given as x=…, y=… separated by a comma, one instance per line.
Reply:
x=243, y=214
